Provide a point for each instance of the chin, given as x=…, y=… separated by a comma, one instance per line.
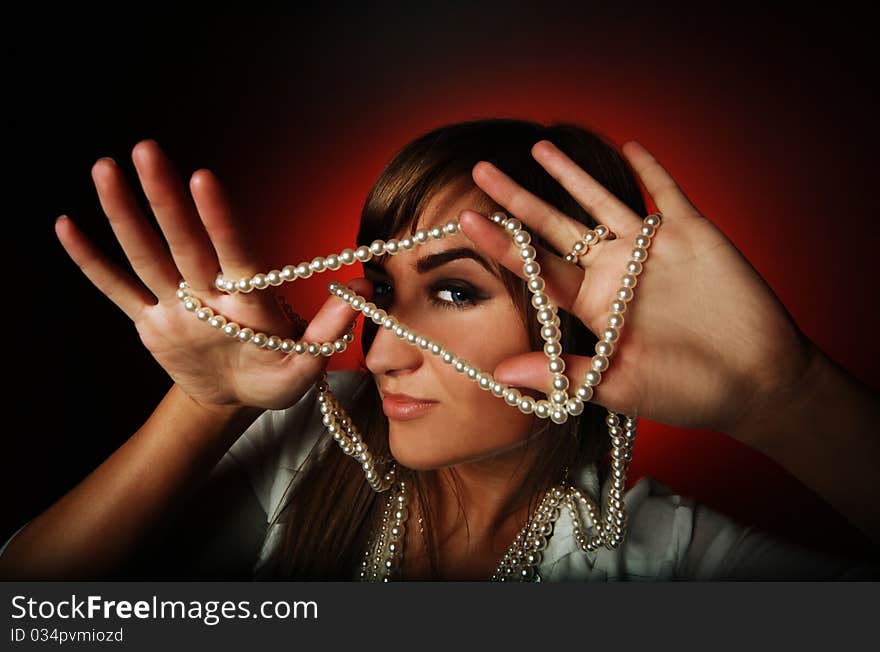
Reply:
x=425, y=459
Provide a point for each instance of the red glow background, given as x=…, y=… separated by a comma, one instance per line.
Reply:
x=766, y=120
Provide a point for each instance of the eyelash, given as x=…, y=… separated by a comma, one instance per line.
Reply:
x=449, y=305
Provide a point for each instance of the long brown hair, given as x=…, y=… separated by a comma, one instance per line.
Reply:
x=330, y=508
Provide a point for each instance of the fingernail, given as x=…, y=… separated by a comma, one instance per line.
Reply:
x=108, y=158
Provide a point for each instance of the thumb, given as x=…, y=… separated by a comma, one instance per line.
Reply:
x=530, y=370
x=336, y=316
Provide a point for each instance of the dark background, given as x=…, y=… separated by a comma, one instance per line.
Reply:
x=766, y=117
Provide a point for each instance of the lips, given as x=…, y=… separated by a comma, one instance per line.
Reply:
x=403, y=406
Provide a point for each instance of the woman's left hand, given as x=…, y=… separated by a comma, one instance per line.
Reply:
x=705, y=342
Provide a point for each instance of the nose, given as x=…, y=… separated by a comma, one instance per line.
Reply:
x=387, y=353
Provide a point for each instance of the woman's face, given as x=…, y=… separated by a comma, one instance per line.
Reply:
x=465, y=307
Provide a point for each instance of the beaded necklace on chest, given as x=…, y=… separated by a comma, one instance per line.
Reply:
x=385, y=547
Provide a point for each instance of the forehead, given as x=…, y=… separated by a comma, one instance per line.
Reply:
x=450, y=200
x=444, y=206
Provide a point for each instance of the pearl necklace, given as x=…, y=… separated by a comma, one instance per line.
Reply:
x=560, y=404
x=557, y=407
x=385, y=547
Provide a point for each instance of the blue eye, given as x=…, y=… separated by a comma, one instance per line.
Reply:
x=459, y=297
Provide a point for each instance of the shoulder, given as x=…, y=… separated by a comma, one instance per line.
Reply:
x=276, y=445
x=659, y=529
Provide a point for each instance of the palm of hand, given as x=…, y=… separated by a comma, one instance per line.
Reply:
x=704, y=339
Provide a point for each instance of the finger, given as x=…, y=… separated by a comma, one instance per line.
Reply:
x=667, y=195
x=141, y=243
x=601, y=203
x=539, y=217
x=332, y=321
x=530, y=370
x=177, y=216
x=130, y=296
x=562, y=280
x=234, y=251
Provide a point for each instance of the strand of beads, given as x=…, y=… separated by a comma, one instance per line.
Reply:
x=560, y=404
x=385, y=554
x=523, y=556
x=346, y=435
x=259, y=339
x=610, y=530
x=334, y=261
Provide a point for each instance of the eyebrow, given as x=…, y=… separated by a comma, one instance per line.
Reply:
x=433, y=261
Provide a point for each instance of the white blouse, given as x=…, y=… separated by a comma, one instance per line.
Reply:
x=669, y=537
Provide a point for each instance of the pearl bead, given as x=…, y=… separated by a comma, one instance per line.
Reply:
x=204, y=314
x=451, y=227
x=217, y=321
x=244, y=285
x=579, y=246
x=287, y=345
x=522, y=238
x=231, y=329
x=304, y=270
x=574, y=406
x=556, y=365
x=435, y=348
x=625, y=294
x=560, y=383
x=192, y=304
x=446, y=357
x=410, y=337
x=532, y=268
x=498, y=217
x=542, y=409
x=326, y=349
x=643, y=241
x=584, y=393
x=377, y=247
x=300, y=347
x=273, y=343
x=647, y=230
x=420, y=236
x=485, y=381
x=435, y=233
x=423, y=342
x=634, y=267
x=558, y=416
x=389, y=323
x=599, y=363
x=602, y=231
x=399, y=331
x=314, y=349
x=245, y=335
x=407, y=243
x=558, y=396
x=498, y=389
x=363, y=253
x=552, y=349
x=332, y=262
x=653, y=220
x=536, y=284
x=391, y=247
x=618, y=306
x=288, y=273
x=610, y=334
x=628, y=280
x=593, y=377
x=540, y=300
x=550, y=332
x=274, y=278
x=318, y=264
x=604, y=348
x=545, y=315
x=459, y=365
x=472, y=372
x=640, y=254
x=526, y=404
x=528, y=252
x=615, y=320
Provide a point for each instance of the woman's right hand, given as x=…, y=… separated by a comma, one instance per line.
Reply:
x=211, y=367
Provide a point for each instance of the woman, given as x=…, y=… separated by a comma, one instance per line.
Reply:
x=705, y=344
